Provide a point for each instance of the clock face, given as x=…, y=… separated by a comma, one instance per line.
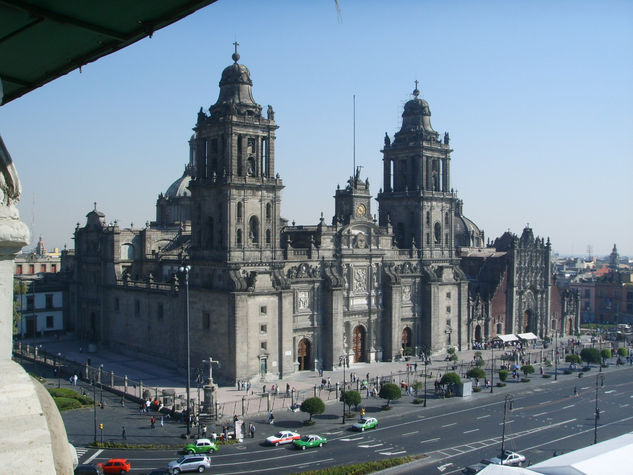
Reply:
x=361, y=210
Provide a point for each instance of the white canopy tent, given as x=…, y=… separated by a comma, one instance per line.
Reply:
x=509, y=338
x=527, y=336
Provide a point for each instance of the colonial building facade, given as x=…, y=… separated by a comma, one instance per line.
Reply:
x=267, y=298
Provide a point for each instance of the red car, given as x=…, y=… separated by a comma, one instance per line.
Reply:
x=116, y=466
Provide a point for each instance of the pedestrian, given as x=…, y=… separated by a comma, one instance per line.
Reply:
x=122, y=401
x=329, y=382
x=264, y=389
x=415, y=366
x=252, y=430
x=162, y=422
x=271, y=418
x=288, y=389
x=152, y=422
x=123, y=433
x=204, y=431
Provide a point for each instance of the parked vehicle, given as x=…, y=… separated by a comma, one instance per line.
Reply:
x=89, y=469
x=508, y=458
x=190, y=463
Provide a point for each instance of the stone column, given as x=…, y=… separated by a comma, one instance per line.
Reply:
x=32, y=434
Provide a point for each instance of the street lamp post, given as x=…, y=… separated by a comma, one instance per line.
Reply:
x=59, y=373
x=94, y=406
x=508, y=399
x=556, y=354
x=184, y=272
x=599, y=379
x=492, y=368
x=343, y=359
x=426, y=371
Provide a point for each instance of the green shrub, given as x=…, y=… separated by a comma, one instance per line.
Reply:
x=313, y=405
x=501, y=384
x=66, y=403
x=623, y=352
x=503, y=374
x=527, y=369
x=477, y=389
x=573, y=358
x=476, y=373
x=605, y=354
x=590, y=355
x=418, y=400
x=545, y=375
x=548, y=363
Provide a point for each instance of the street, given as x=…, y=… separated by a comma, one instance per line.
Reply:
x=546, y=418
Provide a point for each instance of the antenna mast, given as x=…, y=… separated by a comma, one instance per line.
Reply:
x=354, y=134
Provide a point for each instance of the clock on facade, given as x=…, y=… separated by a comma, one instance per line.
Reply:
x=361, y=210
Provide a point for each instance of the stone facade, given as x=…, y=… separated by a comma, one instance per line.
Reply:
x=268, y=298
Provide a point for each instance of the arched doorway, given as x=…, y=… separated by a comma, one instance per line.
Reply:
x=303, y=355
x=478, y=333
x=406, y=341
x=358, y=344
x=527, y=317
x=569, y=331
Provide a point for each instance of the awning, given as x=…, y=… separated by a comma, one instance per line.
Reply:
x=506, y=338
x=41, y=40
x=527, y=336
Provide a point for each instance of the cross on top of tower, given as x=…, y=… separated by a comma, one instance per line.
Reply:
x=416, y=91
x=235, y=55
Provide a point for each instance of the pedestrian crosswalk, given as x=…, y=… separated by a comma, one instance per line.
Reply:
x=81, y=451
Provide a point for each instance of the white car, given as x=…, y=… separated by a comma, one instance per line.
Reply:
x=283, y=437
x=190, y=463
x=508, y=458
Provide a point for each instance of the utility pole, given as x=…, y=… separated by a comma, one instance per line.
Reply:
x=184, y=272
x=492, y=368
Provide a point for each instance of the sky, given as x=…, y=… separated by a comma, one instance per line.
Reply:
x=537, y=97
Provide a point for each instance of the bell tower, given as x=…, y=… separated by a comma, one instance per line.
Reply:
x=416, y=198
x=235, y=192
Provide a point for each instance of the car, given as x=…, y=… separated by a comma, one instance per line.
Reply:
x=88, y=469
x=508, y=458
x=201, y=446
x=365, y=423
x=283, y=437
x=308, y=441
x=474, y=468
x=116, y=466
x=190, y=463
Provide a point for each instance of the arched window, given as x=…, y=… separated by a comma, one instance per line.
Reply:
x=438, y=233
x=428, y=217
x=268, y=236
x=446, y=219
x=269, y=210
x=253, y=230
x=239, y=212
x=238, y=237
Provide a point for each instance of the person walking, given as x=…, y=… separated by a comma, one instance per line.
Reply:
x=162, y=422
x=252, y=430
x=152, y=422
x=271, y=418
x=123, y=433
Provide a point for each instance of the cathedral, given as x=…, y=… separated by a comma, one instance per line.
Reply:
x=267, y=298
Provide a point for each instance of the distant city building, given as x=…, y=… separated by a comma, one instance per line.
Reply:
x=268, y=298
x=38, y=261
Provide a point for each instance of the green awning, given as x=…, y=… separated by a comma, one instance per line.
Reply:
x=41, y=40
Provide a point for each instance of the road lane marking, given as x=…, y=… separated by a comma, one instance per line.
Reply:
x=352, y=440
x=488, y=415
x=610, y=391
x=429, y=440
x=539, y=414
x=567, y=407
x=333, y=433
x=93, y=456
x=393, y=453
x=544, y=402
x=506, y=422
x=370, y=446
x=469, y=431
x=451, y=424
x=410, y=433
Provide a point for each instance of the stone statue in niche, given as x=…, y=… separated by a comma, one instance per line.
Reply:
x=361, y=241
x=406, y=293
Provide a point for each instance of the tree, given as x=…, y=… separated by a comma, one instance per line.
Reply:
x=452, y=356
x=390, y=391
x=573, y=359
x=476, y=373
x=623, y=351
x=590, y=355
x=503, y=375
x=313, y=405
x=350, y=398
x=527, y=369
x=449, y=380
x=20, y=288
x=605, y=354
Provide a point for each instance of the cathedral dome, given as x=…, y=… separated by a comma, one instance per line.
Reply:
x=467, y=233
x=179, y=188
x=416, y=116
x=236, y=91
